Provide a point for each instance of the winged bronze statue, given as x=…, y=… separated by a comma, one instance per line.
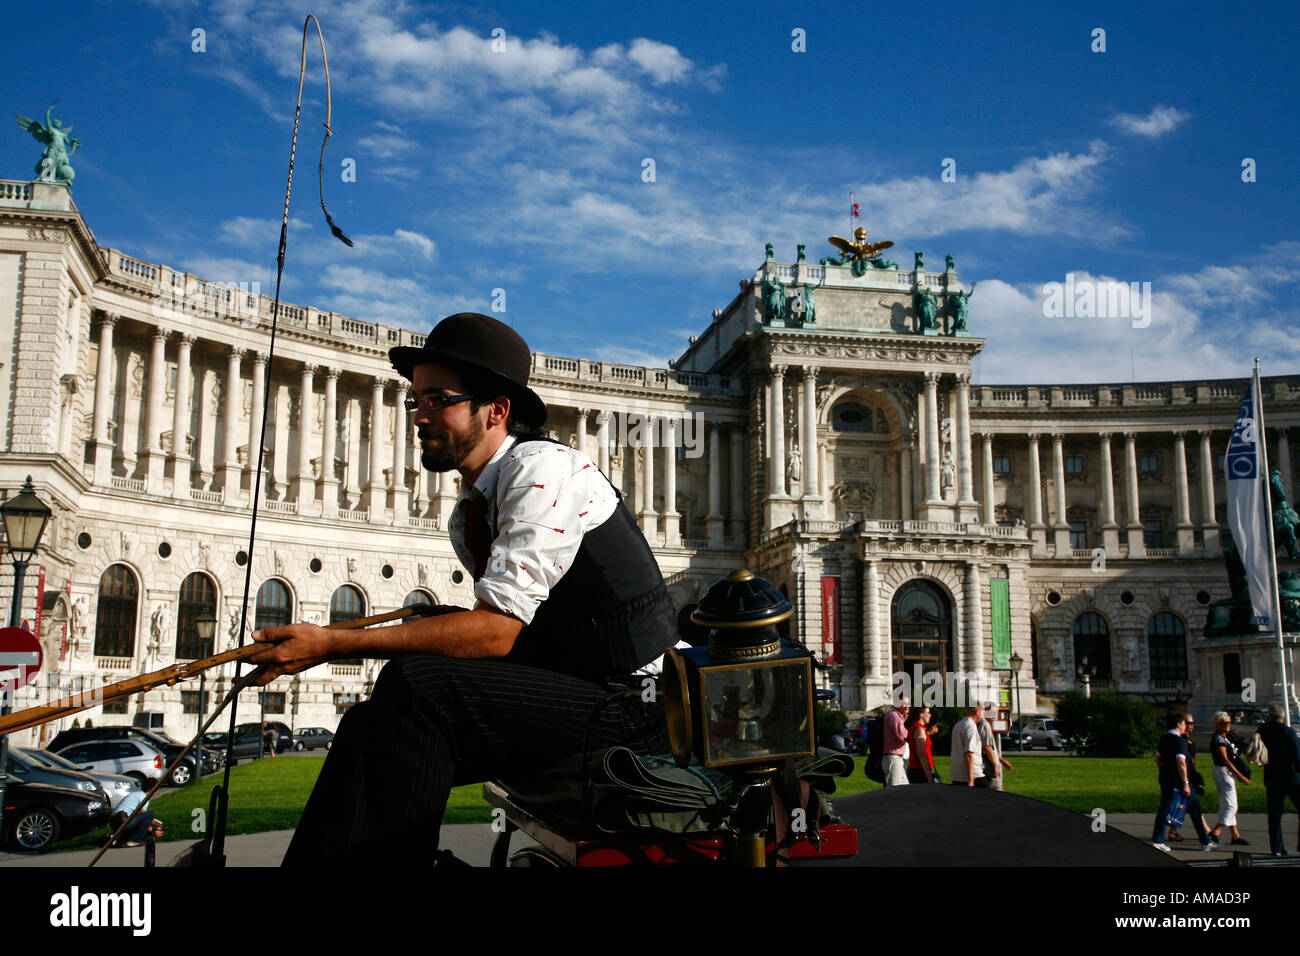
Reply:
x=860, y=248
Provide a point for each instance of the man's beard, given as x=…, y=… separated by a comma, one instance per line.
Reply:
x=453, y=451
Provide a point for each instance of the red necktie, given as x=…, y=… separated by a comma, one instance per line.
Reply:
x=478, y=536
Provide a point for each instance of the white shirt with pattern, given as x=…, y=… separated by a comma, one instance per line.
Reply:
x=541, y=499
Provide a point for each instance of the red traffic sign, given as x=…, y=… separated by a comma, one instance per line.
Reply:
x=20, y=657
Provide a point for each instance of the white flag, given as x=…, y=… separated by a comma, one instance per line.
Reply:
x=1249, y=522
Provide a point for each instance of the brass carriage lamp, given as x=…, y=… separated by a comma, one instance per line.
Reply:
x=744, y=703
x=25, y=517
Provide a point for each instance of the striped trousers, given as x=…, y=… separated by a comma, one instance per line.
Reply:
x=433, y=723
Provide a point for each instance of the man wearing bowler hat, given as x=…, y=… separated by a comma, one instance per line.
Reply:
x=569, y=602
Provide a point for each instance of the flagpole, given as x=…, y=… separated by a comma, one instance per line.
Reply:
x=1270, y=547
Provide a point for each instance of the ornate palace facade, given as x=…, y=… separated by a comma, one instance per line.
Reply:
x=822, y=430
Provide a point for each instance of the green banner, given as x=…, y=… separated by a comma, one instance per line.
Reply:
x=1000, y=614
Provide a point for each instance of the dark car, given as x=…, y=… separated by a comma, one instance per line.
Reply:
x=283, y=738
x=22, y=767
x=36, y=815
x=246, y=745
x=309, y=738
x=115, y=785
x=186, y=772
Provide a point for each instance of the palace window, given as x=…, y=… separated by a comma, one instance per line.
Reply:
x=1167, y=645
x=342, y=701
x=1073, y=466
x=191, y=701
x=347, y=605
x=1148, y=464
x=1001, y=464
x=115, y=613
x=274, y=605
x=272, y=702
x=852, y=417
x=1153, y=535
x=1079, y=535
x=1092, y=644
x=418, y=596
x=198, y=597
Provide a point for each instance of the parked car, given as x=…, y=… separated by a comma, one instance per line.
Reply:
x=23, y=767
x=115, y=785
x=37, y=815
x=246, y=745
x=1042, y=732
x=309, y=738
x=128, y=756
x=284, y=736
x=185, y=773
x=1011, y=739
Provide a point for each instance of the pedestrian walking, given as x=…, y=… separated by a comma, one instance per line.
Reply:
x=894, y=751
x=920, y=735
x=1281, y=773
x=1228, y=769
x=1175, y=791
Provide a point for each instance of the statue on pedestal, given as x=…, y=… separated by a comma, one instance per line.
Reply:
x=927, y=308
x=54, y=164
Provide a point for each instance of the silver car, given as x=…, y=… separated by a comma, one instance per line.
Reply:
x=24, y=768
x=115, y=785
x=129, y=756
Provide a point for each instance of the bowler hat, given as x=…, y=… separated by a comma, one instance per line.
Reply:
x=486, y=345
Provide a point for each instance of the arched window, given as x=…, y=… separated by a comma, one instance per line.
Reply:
x=347, y=605
x=922, y=629
x=419, y=596
x=274, y=605
x=1092, y=642
x=115, y=615
x=1167, y=646
x=852, y=417
x=198, y=595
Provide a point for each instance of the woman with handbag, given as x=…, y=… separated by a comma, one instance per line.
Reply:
x=1228, y=769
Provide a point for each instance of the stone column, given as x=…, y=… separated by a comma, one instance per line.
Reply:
x=1284, y=464
x=933, y=491
x=280, y=444
x=649, y=517
x=582, y=430
x=715, y=519
x=1136, y=548
x=1109, y=528
x=329, y=485
x=672, y=519
x=1184, y=529
x=602, y=442
x=234, y=393
x=905, y=481
x=777, y=414
x=376, y=490
x=968, y=507
x=104, y=401
x=875, y=645
x=401, y=442
x=208, y=420
x=736, y=505
x=352, y=452
x=153, y=412
x=256, y=407
x=808, y=435
x=1061, y=527
x=1037, y=529
x=973, y=618
x=304, y=484
x=990, y=498
x=182, y=461
x=1209, y=522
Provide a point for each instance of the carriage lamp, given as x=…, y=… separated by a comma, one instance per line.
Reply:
x=744, y=703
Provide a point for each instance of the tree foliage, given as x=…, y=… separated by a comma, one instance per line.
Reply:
x=1106, y=725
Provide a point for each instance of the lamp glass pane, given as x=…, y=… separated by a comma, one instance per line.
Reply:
x=757, y=712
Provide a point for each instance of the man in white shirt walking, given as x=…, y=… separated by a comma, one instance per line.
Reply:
x=967, y=766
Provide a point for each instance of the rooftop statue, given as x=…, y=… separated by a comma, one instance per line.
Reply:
x=54, y=165
x=957, y=304
x=1285, y=519
x=927, y=307
x=774, y=300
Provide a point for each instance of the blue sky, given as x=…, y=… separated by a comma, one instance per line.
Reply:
x=522, y=169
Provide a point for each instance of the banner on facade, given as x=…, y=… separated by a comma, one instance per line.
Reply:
x=1000, y=617
x=831, y=618
x=1247, y=518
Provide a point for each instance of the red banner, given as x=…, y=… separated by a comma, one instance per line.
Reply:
x=40, y=601
x=67, y=593
x=831, y=618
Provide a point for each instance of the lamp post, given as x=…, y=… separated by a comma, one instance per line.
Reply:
x=206, y=625
x=1018, y=662
x=1085, y=675
x=25, y=517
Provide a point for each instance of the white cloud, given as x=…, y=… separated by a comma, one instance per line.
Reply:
x=661, y=61
x=1161, y=120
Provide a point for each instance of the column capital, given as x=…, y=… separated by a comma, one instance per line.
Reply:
x=1104, y=437
x=402, y=387
x=309, y=368
x=1205, y=433
x=777, y=371
x=582, y=412
x=259, y=357
x=671, y=423
x=811, y=372
x=161, y=333
x=931, y=379
x=1033, y=438
x=963, y=379
x=1058, y=439
x=380, y=382
x=987, y=438
x=236, y=352
x=108, y=318
x=186, y=340
x=332, y=373
x=1179, y=436
x=1130, y=438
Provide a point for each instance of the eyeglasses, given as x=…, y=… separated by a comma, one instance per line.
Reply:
x=445, y=401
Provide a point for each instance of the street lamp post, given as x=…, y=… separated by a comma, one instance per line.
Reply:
x=1018, y=662
x=206, y=625
x=1085, y=676
x=25, y=517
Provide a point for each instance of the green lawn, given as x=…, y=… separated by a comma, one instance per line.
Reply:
x=270, y=794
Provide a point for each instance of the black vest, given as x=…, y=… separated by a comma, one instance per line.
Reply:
x=609, y=614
